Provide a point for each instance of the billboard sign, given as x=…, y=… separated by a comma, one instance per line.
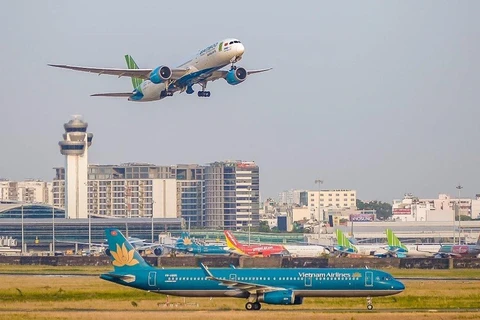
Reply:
x=403, y=211
x=362, y=217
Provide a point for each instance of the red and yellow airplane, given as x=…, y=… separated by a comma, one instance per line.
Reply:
x=254, y=250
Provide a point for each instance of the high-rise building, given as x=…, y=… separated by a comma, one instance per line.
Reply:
x=231, y=195
x=131, y=190
x=27, y=191
x=290, y=197
x=74, y=146
x=190, y=192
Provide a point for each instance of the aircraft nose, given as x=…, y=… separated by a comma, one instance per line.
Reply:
x=240, y=49
x=398, y=286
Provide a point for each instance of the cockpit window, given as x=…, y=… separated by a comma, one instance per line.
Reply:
x=231, y=42
x=236, y=41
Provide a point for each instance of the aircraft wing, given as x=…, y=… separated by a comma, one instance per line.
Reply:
x=113, y=94
x=83, y=243
x=132, y=73
x=240, y=285
x=221, y=74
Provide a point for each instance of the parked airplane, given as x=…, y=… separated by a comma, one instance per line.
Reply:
x=345, y=247
x=458, y=250
x=185, y=244
x=160, y=82
x=271, y=286
x=141, y=245
x=254, y=250
x=399, y=250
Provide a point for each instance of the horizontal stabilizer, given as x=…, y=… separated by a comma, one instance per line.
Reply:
x=112, y=94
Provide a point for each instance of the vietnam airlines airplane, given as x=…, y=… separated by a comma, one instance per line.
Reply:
x=254, y=250
x=186, y=245
x=163, y=81
x=271, y=286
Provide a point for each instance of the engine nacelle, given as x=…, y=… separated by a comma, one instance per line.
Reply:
x=160, y=74
x=158, y=251
x=236, y=76
x=280, y=297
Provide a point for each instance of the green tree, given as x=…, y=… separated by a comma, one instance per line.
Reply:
x=383, y=210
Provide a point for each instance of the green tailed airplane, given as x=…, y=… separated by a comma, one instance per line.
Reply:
x=278, y=286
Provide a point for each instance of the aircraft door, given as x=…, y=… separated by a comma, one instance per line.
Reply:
x=308, y=280
x=152, y=278
x=368, y=279
x=233, y=277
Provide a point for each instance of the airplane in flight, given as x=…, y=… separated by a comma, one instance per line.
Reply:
x=345, y=247
x=254, y=250
x=397, y=249
x=163, y=81
x=277, y=286
x=186, y=245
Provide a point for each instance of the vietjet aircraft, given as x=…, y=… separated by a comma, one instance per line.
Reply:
x=264, y=250
x=163, y=81
x=277, y=286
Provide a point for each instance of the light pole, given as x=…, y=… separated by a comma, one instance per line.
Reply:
x=153, y=202
x=23, y=238
x=249, y=214
x=459, y=187
x=53, y=230
x=319, y=182
x=89, y=233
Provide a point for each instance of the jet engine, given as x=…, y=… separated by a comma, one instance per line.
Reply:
x=236, y=76
x=160, y=74
x=158, y=251
x=280, y=297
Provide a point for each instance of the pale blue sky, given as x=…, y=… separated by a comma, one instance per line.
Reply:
x=378, y=96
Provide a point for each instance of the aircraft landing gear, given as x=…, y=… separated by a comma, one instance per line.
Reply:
x=204, y=93
x=253, y=306
x=166, y=93
x=369, y=303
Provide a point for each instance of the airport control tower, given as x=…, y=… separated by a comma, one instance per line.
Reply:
x=75, y=145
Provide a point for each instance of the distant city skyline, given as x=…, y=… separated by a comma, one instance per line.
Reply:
x=379, y=97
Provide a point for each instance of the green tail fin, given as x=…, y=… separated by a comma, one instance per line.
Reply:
x=393, y=241
x=124, y=256
x=131, y=64
x=342, y=240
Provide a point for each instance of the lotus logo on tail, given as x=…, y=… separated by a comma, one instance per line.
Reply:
x=123, y=257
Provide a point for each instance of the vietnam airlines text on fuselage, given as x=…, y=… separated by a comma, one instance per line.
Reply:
x=280, y=286
x=212, y=58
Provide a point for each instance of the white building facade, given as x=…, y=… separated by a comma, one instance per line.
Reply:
x=444, y=208
x=320, y=201
x=130, y=190
x=27, y=191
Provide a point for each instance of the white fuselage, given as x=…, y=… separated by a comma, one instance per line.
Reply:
x=422, y=250
x=212, y=58
x=306, y=250
x=371, y=249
